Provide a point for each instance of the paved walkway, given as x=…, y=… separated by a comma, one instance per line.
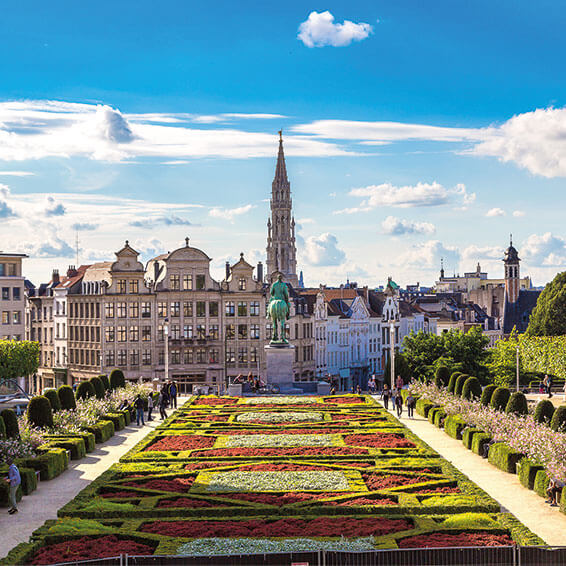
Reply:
x=547, y=522
x=50, y=496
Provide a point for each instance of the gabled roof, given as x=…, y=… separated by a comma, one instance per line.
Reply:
x=517, y=315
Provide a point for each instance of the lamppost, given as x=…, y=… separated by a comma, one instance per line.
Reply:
x=517, y=363
x=166, y=336
x=392, y=351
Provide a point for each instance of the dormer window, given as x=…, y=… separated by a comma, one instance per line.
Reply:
x=121, y=286
x=241, y=284
x=200, y=282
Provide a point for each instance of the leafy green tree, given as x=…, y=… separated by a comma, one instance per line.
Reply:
x=549, y=315
x=467, y=349
x=421, y=350
x=18, y=358
x=502, y=364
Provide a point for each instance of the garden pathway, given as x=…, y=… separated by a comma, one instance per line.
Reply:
x=50, y=496
x=547, y=522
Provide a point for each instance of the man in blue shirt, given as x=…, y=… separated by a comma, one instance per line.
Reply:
x=173, y=394
x=14, y=480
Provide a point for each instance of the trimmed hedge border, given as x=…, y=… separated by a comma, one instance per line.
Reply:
x=468, y=436
x=527, y=471
x=102, y=430
x=541, y=483
x=504, y=457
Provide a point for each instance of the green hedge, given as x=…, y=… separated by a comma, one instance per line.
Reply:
x=85, y=390
x=478, y=442
x=29, y=479
x=117, y=418
x=39, y=412
x=454, y=425
x=2, y=429
x=558, y=421
x=11, y=422
x=67, y=397
x=86, y=437
x=517, y=404
x=487, y=394
x=439, y=418
x=452, y=382
x=472, y=389
x=50, y=464
x=460, y=384
x=102, y=430
x=75, y=445
x=423, y=407
x=127, y=416
x=541, y=483
x=105, y=382
x=500, y=398
x=117, y=379
x=431, y=414
x=442, y=377
x=51, y=394
x=527, y=471
x=99, y=389
x=504, y=457
x=468, y=436
x=5, y=493
x=544, y=412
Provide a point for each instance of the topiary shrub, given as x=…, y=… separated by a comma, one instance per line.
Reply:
x=541, y=483
x=544, y=411
x=423, y=406
x=454, y=425
x=98, y=387
x=487, y=394
x=500, y=398
x=527, y=471
x=2, y=428
x=442, y=377
x=105, y=382
x=472, y=389
x=85, y=390
x=460, y=384
x=558, y=421
x=504, y=457
x=117, y=379
x=517, y=404
x=468, y=436
x=439, y=418
x=478, y=441
x=51, y=394
x=67, y=397
x=452, y=382
x=11, y=423
x=39, y=412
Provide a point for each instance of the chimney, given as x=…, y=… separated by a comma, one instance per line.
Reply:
x=55, y=277
x=227, y=270
x=259, y=272
x=71, y=272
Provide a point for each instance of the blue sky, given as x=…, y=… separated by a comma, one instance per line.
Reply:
x=413, y=131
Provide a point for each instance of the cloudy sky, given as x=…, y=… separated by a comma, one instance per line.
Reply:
x=413, y=131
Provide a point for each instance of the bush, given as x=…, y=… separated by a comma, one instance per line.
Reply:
x=500, y=398
x=452, y=382
x=2, y=428
x=67, y=397
x=75, y=445
x=39, y=412
x=99, y=390
x=478, y=442
x=102, y=430
x=487, y=394
x=454, y=425
x=117, y=418
x=504, y=457
x=460, y=384
x=541, y=483
x=11, y=422
x=105, y=382
x=439, y=418
x=472, y=389
x=517, y=404
x=117, y=379
x=431, y=414
x=49, y=464
x=468, y=436
x=527, y=471
x=423, y=407
x=442, y=377
x=85, y=390
x=51, y=394
x=558, y=421
x=543, y=412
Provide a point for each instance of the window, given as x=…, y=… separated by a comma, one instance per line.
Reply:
x=146, y=358
x=146, y=333
x=109, y=358
x=254, y=331
x=242, y=355
x=161, y=358
x=122, y=358
x=201, y=308
x=242, y=331
x=134, y=287
x=230, y=356
x=201, y=331
x=176, y=309
x=254, y=355
x=213, y=331
x=254, y=308
x=134, y=358
x=121, y=286
x=121, y=334
x=2, y=271
x=146, y=309
x=188, y=356
x=201, y=356
x=11, y=269
x=242, y=284
x=108, y=334
x=200, y=282
x=161, y=309
x=121, y=310
x=16, y=295
x=242, y=309
x=5, y=293
x=213, y=308
x=134, y=333
x=174, y=283
x=230, y=331
x=188, y=309
x=17, y=318
x=160, y=333
x=187, y=282
x=188, y=331
x=134, y=310
x=230, y=308
x=6, y=318
x=213, y=356
x=175, y=357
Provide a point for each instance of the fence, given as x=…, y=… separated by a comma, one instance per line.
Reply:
x=465, y=556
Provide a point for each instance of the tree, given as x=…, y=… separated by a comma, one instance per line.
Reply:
x=502, y=364
x=18, y=358
x=39, y=412
x=549, y=315
x=467, y=349
x=421, y=350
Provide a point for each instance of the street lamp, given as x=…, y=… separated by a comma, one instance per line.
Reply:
x=166, y=336
x=517, y=366
x=392, y=351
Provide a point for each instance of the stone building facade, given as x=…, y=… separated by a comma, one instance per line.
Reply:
x=12, y=303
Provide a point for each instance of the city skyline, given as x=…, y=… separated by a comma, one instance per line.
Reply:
x=425, y=153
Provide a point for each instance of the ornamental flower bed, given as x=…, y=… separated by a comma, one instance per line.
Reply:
x=379, y=440
x=380, y=481
x=265, y=452
x=176, y=485
x=178, y=443
x=282, y=417
x=460, y=539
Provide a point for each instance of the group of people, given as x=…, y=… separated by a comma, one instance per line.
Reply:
x=254, y=382
x=167, y=398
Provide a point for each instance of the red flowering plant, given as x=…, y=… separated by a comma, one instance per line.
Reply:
x=181, y=442
x=378, y=440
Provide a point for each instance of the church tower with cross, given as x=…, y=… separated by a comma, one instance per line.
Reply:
x=281, y=249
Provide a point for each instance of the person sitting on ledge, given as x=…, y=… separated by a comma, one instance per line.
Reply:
x=554, y=491
x=486, y=447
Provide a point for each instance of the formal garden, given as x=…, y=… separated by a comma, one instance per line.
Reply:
x=270, y=474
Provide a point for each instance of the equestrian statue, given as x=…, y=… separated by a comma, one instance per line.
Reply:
x=278, y=310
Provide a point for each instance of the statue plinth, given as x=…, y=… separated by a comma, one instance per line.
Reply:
x=280, y=357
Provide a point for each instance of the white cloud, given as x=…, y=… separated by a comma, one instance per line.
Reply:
x=319, y=30
x=518, y=213
x=5, y=210
x=16, y=173
x=53, y=208
x=80, y=226
x=474, y=253
x=152, y=222
x=230, y=213
x=544, y=250
x=323, y=250
x=408, y=196
x=428, y=255
x=399, y=227
x=493, y=212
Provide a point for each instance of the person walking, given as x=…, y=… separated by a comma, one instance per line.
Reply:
x=14, y=479
x=399, y=383
x=385, y=395
x=399, y=403
x=410, y=405
x=549, y=386
x=163, y=403
x=138, y=405
x=173, y=394
x=149, y=406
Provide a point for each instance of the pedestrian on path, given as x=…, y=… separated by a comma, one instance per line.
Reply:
x=138, y=404
x=149, y=407
x=14, y=480
x=162, y=404
x=385, y=395
x=399, y=383
x=173, y=394
x=410, y=405
x=399, y=403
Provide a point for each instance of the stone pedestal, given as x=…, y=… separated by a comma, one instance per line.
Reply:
x=280, y=363
x=323, y=388
x=235, y=390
